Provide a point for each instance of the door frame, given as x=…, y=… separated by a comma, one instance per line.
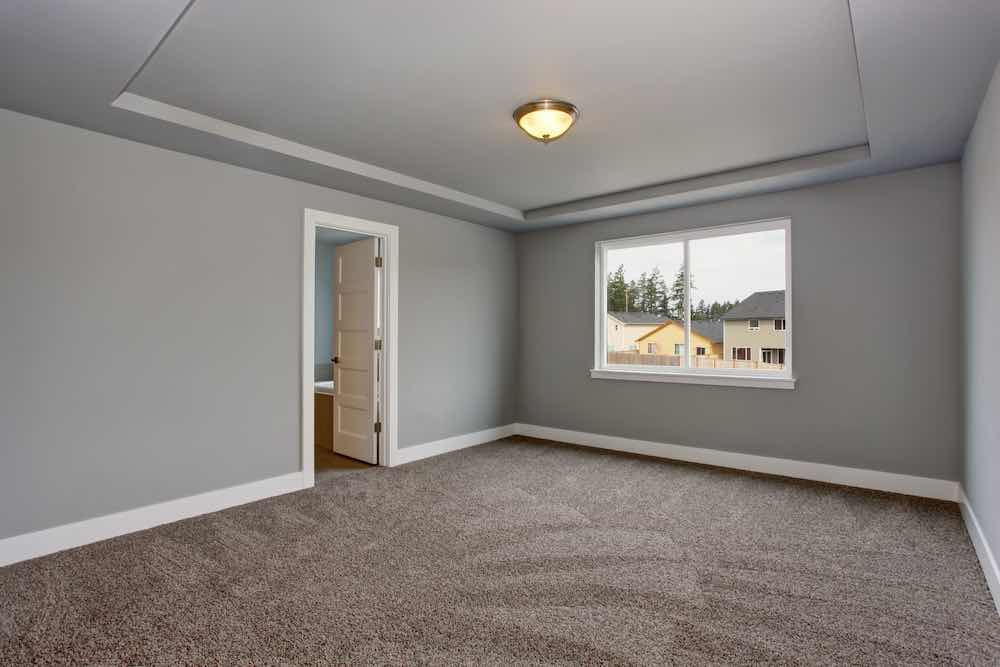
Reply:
x=314, y=220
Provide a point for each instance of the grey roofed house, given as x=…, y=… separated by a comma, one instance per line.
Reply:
x=759, y=306
x=637, y=318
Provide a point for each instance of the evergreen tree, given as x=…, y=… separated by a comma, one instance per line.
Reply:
x=676, y=299
x=640, y=292
x=653, y=291
x=617, y=289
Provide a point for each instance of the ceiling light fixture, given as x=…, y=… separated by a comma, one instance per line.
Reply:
x=546, y=120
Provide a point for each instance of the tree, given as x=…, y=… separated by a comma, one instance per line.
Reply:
x=617, y=290
x=653, y=291
x=676, y=298
x=640, y=293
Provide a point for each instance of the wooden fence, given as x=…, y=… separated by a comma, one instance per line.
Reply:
x=634, y=358
x=643, y=359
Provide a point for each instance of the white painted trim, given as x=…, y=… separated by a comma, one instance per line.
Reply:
x=417, y=452
x=687, y=377
x=926, y=487
x=696, y=233
x=59, y=538
x=307, y=410
x=197, y=121
x=312, y=220
x=68, y=536
x=987, y=559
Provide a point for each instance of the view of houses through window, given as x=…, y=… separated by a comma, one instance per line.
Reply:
x=734, y=300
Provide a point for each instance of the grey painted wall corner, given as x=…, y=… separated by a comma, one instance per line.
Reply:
x=875, y=272
x=981, y=263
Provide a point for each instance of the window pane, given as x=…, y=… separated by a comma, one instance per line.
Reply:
x=737, y=295
x=645, y=292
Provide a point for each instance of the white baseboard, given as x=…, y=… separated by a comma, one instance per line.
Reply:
x=68, y=536
x=986, y=558
x=417, y=452
x=50, y=540
x=926, y=487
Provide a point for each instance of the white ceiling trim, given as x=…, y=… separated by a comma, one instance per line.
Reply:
x=197, y=121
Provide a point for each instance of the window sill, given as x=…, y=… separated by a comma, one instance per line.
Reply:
x=695, y=378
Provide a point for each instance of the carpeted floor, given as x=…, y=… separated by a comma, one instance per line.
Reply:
x=521, y=552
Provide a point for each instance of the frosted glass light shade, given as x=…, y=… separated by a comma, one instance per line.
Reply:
x=546, y=120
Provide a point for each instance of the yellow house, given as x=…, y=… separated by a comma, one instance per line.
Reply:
x=625, y=328
x=668, y=338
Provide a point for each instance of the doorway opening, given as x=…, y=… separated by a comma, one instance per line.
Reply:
x=348, y=344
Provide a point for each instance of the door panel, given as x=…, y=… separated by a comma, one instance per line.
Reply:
x=352, y=385
x=353, y=422
x=354, y=305
x=354, y=347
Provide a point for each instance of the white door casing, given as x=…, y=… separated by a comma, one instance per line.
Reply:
x=354, y=368
x=388, y=240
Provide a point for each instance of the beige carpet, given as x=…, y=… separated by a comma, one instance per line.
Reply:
x=521, y=552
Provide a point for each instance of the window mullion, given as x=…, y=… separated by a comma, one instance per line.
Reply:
x=687, y=304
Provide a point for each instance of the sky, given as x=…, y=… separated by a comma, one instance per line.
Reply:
x=724, y=268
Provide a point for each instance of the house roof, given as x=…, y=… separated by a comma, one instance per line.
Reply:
x=637, y=318
x=710, y=329
x=759, y=306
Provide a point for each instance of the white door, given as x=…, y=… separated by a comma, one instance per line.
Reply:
x=354, y=369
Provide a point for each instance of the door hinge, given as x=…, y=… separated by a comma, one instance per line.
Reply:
x=378, y=427
x=378, y=262
x=378, y=344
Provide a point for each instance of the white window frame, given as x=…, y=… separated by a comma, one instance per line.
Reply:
x=750, y=325
x=783, y=324
x=686, y=374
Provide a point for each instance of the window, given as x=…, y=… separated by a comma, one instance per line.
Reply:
x=713, y=285
x=772, y=355
x=741, y=354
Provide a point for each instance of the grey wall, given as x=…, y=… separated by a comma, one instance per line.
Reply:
x=150, y=329
x=981, y=263
x=876, y=319
x=325, y=310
